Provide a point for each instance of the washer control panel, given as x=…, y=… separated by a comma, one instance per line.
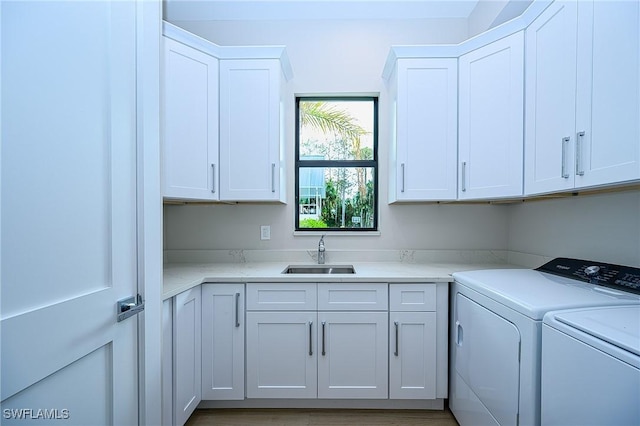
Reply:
x=626, y=278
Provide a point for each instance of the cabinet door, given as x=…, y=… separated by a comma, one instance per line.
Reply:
x=352, y=355
x=282, y=297
x=412, y=355
x=487, y=358
x=353, y=296
x=167, y=363
x=250, y=130
x=222, y=341
x=187, y=369
x=413, y=297
x=281, y=355
x=491, y=120
x=425, y=130
x=190, y=120
x=550, y=96
x=608, y=93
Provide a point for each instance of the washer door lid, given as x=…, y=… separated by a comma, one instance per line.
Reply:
x=619, y=326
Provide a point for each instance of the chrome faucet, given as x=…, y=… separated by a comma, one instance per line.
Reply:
x=321, y=250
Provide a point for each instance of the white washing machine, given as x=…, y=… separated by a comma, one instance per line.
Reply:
x=591, y=367
x=496, y=332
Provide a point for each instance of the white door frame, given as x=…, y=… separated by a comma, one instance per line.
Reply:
x=149, y=30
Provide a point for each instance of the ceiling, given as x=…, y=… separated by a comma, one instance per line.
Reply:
x=197, y=10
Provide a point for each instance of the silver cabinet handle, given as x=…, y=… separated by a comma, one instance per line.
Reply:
x=237, y=309
x=464, y=176
x=396, y=324
x=323, y=352
x=579, y=140
x=213, y=178
x=565, y=143
x=402, y=187
x=310, y=338
x=273, y=177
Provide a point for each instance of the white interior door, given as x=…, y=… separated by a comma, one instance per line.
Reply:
x=68, y=212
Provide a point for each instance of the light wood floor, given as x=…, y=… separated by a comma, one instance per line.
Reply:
x=320, y=417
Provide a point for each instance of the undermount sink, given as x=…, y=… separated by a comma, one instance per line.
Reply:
x=319, y=269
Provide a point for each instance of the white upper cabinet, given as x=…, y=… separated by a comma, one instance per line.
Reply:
x=491, y=106
x=582, y=96
x=550, y=89
x=424, y=130
x=190, y=123
x=222, y=119
x=250, y=130
x=608, y=93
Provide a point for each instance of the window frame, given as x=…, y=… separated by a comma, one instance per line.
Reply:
x=373, y=164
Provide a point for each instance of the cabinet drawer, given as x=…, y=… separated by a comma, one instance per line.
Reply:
x=281, y=297
x=352, y=297
x=412, y=297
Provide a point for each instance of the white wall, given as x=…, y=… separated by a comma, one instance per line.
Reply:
x=490, y=13
x=603, y=227
x=403, y=227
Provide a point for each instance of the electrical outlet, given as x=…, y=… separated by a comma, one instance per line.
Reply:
x=265, y=232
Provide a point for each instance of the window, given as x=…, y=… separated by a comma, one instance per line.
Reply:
x=336, y=164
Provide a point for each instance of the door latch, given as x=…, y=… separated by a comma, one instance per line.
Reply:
x=129, y=307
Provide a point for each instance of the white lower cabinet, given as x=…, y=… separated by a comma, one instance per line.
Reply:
x=223, y=327
x=187, y=371
x=281, y=336
x=414, y=366
x=281, y=355
x=339, y=352
x=327, y=341
x=352, y=355
x=412, y=355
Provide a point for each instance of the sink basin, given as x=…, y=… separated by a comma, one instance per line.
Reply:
x=319, y=269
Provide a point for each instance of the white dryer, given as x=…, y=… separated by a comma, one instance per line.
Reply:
x=496, y=332
x=591, y=367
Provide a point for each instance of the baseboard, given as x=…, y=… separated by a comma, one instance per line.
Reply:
x=380, y=404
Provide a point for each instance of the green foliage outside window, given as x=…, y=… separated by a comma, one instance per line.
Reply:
x=336, y=164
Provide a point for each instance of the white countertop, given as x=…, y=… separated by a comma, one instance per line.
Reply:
x=179, y=277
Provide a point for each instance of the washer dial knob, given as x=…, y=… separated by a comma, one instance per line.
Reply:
x=591, y=271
